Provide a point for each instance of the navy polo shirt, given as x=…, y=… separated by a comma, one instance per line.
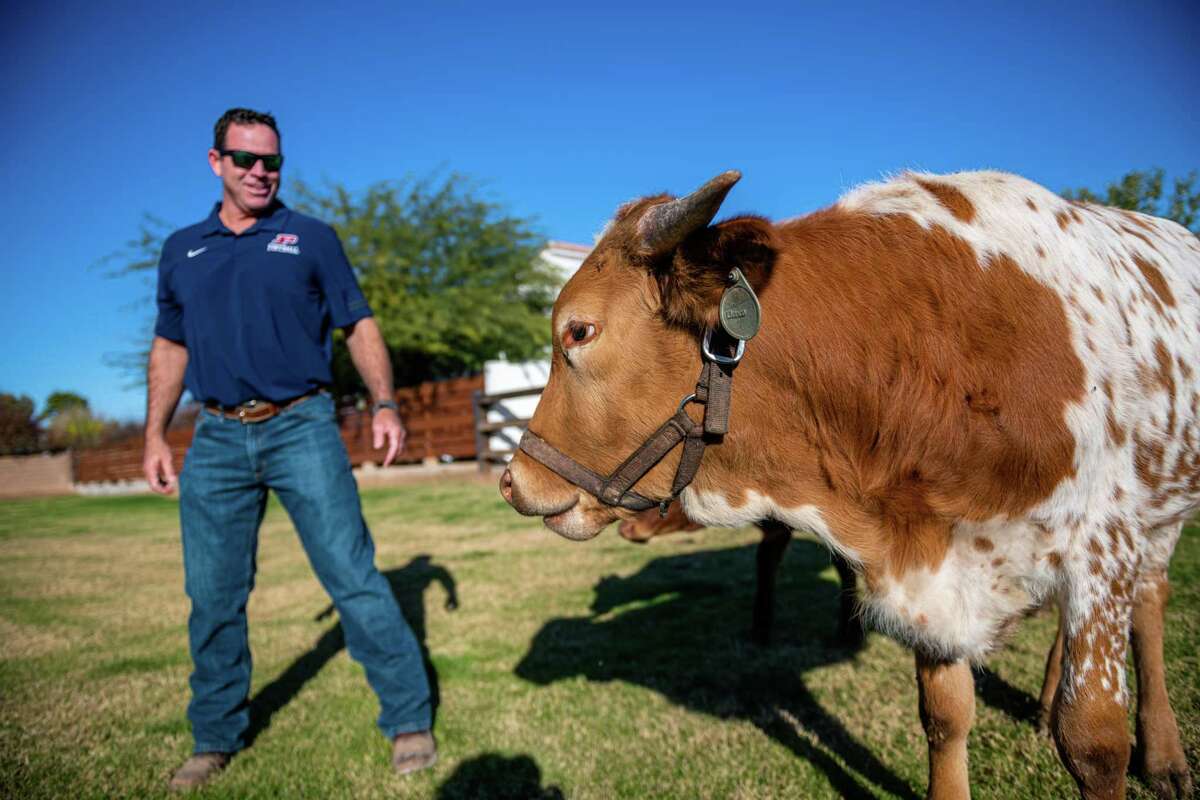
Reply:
x=256, y=310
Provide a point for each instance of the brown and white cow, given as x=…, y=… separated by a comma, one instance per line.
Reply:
x=980, y=394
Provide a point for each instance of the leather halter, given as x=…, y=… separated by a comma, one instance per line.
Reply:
x=712, y=391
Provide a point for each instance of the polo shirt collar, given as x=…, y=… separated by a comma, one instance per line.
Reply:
x=274, y=221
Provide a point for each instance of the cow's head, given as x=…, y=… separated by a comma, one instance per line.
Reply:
x=627, y=329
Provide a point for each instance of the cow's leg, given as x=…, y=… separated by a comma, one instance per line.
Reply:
x=947, y=694
x=1051, y=681
x=850, y=630
x=1090, y=726
x=1160, y=755
x=775, y=540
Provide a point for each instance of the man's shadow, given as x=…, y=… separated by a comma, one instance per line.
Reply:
x=678, y=627
x=492, y=776
x=408, y=585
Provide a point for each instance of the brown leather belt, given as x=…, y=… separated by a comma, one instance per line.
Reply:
x=256, y=410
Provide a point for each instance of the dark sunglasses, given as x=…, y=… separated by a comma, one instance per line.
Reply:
x=244, y=159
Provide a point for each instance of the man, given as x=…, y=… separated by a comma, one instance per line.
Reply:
x=246, y=303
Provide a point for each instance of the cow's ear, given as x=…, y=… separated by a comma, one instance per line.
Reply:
x=692, y=281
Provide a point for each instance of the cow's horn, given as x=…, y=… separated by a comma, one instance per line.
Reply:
x=667, y=224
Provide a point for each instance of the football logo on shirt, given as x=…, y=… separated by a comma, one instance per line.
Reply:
x=284, y=243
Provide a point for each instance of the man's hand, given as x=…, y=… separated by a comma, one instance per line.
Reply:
x=157, y=466
x=164, y=384
x=386, y=425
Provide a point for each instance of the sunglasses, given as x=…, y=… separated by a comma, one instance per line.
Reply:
x=244, y=159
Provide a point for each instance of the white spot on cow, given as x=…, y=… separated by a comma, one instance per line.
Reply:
x=712, y=508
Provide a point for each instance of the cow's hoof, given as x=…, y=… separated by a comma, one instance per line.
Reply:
x=1171, y=781
x=1043, y=725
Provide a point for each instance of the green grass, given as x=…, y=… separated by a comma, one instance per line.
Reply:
x=596, y=670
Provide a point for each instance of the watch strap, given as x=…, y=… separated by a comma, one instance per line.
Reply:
x=381, y=404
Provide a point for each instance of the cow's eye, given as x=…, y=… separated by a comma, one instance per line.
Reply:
x=578, y=333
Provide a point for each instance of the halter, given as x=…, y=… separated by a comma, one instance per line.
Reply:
x=740, y=316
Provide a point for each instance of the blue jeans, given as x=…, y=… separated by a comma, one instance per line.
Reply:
x=222, y=496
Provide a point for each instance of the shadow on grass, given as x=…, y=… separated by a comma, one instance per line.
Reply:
x=495, y=777
x=408, y=585
x=677, y=627
x=1017, y=704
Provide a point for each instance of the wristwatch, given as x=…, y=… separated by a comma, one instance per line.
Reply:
x=381, y=404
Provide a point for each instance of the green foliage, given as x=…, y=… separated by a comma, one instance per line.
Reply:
x=63, y=401
x=76, y=427
x=1143, y=191
x=453, y=280
x=19, y=431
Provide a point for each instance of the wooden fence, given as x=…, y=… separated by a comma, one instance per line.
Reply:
x=484, y=428
x=439, y=417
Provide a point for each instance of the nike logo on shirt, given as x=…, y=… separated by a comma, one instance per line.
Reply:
x=194, y=253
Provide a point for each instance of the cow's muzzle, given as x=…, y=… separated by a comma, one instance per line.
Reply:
x=573, y=515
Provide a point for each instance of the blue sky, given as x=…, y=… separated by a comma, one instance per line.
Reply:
x=562, y=113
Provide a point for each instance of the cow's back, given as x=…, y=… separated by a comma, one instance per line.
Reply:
x=1130, y=286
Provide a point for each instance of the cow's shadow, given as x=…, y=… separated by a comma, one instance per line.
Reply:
x=678, y=627
x=408, y=584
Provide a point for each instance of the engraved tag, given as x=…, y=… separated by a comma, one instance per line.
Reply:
x=741, y=315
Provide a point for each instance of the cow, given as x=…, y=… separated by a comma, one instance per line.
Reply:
x=651, y=523
x=981, y=395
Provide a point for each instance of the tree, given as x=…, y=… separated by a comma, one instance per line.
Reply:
x=76, y=428
x=71, y=424
x=1143, y=191
x=19, y=430
x=62, y=401
x=453, y=279
x=139, y=257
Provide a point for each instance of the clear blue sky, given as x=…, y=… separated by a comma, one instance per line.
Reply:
x=563, y=113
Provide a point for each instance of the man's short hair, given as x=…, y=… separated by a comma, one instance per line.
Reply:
x=241, y=116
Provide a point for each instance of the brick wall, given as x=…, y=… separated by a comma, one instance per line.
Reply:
x=24, y=476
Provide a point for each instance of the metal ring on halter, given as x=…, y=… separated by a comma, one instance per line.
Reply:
x=711, y=356
x=684, y=402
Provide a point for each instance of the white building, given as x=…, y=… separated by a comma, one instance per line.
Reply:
x=507, y=376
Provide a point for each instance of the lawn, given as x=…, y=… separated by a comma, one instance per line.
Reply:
x=597, y=670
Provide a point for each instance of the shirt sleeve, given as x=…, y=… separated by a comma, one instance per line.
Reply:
x=347, y=304
x=169, y=324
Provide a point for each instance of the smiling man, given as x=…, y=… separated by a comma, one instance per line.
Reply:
x=246, y=303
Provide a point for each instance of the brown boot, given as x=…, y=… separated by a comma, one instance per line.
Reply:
x=413, y=751
x=198, y=770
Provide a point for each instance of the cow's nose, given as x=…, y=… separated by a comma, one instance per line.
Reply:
x=506, y=486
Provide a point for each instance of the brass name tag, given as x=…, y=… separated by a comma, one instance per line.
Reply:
x=741, y=315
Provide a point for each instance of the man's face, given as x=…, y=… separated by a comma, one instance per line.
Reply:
x=253, y=189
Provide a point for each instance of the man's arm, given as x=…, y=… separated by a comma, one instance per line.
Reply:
x=164, y=385
x=370, y=357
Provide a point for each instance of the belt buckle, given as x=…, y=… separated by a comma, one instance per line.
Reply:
x=247, y=412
